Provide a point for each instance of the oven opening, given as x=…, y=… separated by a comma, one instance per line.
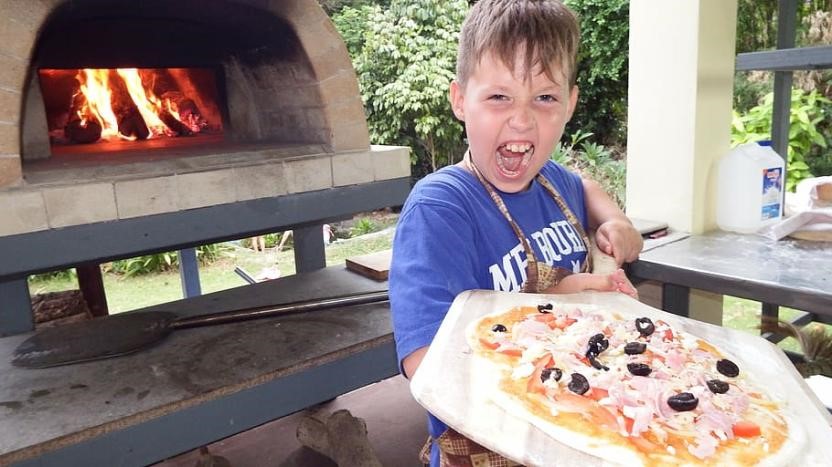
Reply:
x=93, y=110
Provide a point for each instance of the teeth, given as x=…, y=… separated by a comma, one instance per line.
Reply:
x=513, y=147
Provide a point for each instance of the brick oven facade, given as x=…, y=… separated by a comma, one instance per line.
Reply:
x=295, y=150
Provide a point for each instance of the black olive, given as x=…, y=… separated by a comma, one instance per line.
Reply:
x=597, y=344
x=645, y=326
x=635, y=348
x=683, y=402
x=728, y=368
x=551, y=372
x=717, y=387
x=595, y=363
x=498, y=328
x=579, y=385
x=639, y=369
x=547, y=308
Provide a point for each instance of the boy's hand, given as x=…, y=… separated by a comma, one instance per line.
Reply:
x=619, y=239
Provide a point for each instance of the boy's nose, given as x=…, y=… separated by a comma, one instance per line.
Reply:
x=521, y=119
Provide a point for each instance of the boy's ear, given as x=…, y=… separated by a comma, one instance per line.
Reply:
x=456, y=98
x=573, y=101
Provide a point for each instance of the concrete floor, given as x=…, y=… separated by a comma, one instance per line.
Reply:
x=396, y=425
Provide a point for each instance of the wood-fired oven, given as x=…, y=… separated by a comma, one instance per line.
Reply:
x=131, y=127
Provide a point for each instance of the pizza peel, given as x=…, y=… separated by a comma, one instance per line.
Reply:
x=450, y=384
x=125, y=333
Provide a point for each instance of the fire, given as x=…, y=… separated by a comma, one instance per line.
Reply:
x=122, y=103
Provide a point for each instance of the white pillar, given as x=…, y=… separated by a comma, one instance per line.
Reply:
x=679, y=115
x=679, y=108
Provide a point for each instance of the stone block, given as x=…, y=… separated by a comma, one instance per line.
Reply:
x=308, y=174
x=22, y=212
x=12, y=73
x=390, y=162
x=330, y=63
x=11, y=173
x=18, y=38
x=135, y=198
x=260, y=181
x=342, y=86
x=201, y=189
x=29, y=12
x=353, y=137
x=10, y=103
x=80, y=204
x=352, y=168
x=9, y=138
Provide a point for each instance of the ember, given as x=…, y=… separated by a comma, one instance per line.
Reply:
x=87, y=105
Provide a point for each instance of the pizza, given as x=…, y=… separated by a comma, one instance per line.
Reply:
x=631, y=390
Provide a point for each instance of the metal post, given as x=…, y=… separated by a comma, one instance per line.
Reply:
x=676, y=299
x=310, y=252
x=15, y=307
x=786, y=25
x=189, y=273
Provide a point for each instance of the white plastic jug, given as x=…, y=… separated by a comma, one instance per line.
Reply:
x=749, y=188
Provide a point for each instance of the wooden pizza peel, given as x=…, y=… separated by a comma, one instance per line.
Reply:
x=449, y=383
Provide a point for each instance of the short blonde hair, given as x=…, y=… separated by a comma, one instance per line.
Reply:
x=546, y=30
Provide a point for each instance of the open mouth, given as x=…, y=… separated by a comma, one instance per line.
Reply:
x=513, y=158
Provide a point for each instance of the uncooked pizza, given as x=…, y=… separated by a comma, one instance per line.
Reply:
x=629, y=389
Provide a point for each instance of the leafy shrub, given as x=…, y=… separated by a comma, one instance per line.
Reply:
x=162, y=262
x=64, y=275
x=594, y=161
x=363, y=226
x=404, y=57
x=602, y=69
x=808, y=110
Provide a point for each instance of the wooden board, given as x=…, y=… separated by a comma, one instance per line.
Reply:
x=813, y=235
x=376, y=266
x=449, y=385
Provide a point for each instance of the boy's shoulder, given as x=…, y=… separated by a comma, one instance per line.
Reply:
x=446, y=182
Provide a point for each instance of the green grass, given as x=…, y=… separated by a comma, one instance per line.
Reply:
x=742, y=314
x=130, y=293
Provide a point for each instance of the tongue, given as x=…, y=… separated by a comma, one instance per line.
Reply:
x=511, y=160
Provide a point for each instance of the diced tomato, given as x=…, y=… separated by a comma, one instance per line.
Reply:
x=535, y=385
x=511, y=351
x=746, y=429
x=596, y=394
x=668, y=335
x=489, y=344
x=643, y=445
x=607, y=331
x=628, y=424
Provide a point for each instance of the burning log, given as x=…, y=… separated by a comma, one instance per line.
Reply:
x=130, y=121
x=175, y=125
x=82, y=131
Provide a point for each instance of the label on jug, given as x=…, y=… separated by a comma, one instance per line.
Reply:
x=772, y=192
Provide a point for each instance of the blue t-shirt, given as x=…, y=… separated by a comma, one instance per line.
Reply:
x=451, y=238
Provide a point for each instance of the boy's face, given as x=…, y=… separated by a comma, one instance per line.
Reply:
x=512, y=125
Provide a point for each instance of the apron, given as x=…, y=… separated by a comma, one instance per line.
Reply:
x=455, y=450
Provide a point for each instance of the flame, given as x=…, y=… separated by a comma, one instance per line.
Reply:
x=97, y=101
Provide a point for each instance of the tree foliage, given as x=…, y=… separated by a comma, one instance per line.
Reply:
x=405, y=57
x=602, y=69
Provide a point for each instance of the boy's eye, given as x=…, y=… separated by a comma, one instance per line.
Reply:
x=547, y=98
x=497, y=97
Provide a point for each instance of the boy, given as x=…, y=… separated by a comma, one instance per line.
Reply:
x=505, y=218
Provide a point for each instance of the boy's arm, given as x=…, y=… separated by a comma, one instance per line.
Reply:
x=614, y=232
x=411, y=363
